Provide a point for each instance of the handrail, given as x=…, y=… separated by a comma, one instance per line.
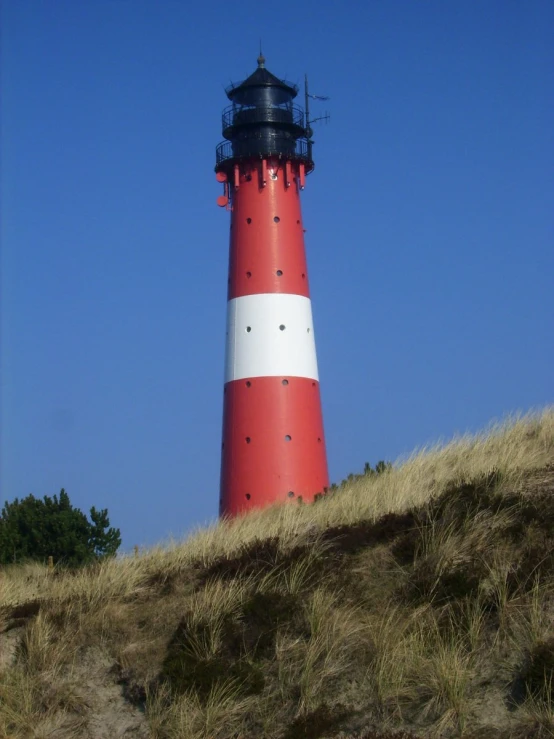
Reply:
x=236, y=115
x=224, y=152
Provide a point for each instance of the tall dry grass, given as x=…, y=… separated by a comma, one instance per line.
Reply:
x=265, y=622
x=514, y=447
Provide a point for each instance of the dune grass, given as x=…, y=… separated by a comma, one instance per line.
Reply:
x=418, y=602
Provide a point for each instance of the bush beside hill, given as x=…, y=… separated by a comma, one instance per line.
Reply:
x=32, y=529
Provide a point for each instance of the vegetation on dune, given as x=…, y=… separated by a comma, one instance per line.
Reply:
x=35, y=529
x=369, y=471
x=419, y=602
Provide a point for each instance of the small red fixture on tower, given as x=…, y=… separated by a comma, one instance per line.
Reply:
x=273, y=444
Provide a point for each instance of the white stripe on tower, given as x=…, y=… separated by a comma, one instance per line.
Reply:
x=270, y=335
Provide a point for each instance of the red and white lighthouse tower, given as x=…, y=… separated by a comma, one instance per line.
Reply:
x=273, y=446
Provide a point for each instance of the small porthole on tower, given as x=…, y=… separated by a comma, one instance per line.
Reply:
x=303, y=276
x=248, y=329
x=308, y=330
x=319, y=440
x=282, y=327
x=248, y=220
x=288, y=437
x=279, y=273
x=297, y=221
x=284, y=382
x=276, y=219
x=290, y=494
x=247, y=496
x=248, y=383
x=313, y=384
x=248, y=440
x=249, y=275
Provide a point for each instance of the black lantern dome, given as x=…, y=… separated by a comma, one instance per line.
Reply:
x=262, y=121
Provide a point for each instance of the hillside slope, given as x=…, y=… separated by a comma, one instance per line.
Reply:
x=419, y=602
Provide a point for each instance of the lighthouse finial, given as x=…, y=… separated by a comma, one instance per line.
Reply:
x=261, y=58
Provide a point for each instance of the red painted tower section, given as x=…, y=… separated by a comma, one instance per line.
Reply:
x=273, y=446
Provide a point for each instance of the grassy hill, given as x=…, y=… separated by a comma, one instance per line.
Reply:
x=418, y=602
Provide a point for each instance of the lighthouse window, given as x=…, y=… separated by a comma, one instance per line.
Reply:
x=248, y=383
x=249, y=275
x=284, y=382
x=288, y=437
x=276, y=219
x=290, y=494
x=247, y=496
x=248, y=220
x=279, y=272
x=282, y=327
x=308, y=330
x=248, y=329
x=248, y=440
x=303, y=276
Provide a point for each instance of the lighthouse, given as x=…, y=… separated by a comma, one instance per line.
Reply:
x=273, y=444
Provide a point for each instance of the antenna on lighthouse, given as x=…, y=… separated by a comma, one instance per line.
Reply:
x=326, y=117
x=261, y=57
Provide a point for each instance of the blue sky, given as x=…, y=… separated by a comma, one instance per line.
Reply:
x=429, y=217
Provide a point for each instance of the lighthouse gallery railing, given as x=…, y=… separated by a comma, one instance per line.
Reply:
x=224, y=151
x=238, y=115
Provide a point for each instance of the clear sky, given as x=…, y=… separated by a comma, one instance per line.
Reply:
x=429, y=217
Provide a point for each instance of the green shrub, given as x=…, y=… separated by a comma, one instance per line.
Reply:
x=34, y=529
